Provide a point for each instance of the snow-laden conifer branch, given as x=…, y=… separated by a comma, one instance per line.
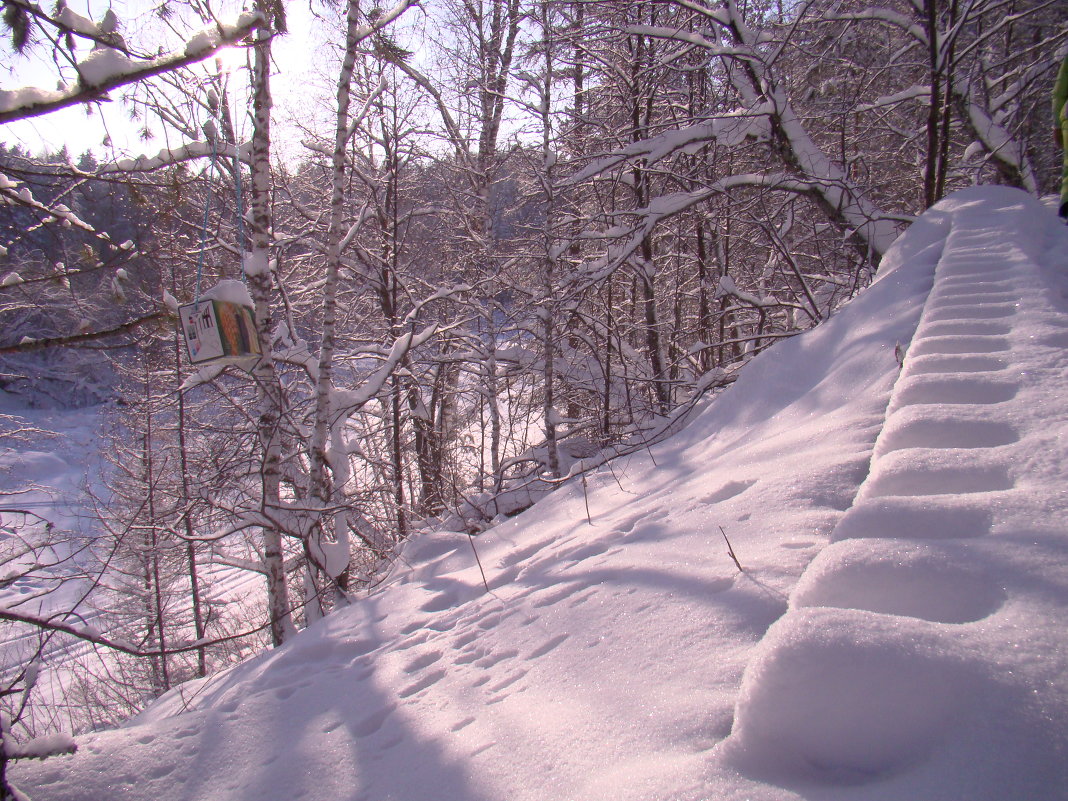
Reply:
x=109, y=68
x=69, y=22
x=13, y=195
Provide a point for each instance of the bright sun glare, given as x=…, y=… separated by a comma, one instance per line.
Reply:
x=231, y=59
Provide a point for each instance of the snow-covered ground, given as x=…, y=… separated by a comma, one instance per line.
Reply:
x=51, y=466
x=898, y=631
x=49, y=462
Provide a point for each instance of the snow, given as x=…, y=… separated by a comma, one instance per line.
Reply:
x=230, y=291
x=200, y=42
x=41, y=747
x=27, y=96
x=77, y=23
x=254, y=264
x=105, y=64
x=49, y=462
x=925, y=633
x=897, y=633
x=167, y=157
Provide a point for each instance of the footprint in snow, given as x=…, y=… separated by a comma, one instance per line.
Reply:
x=907, y=579
x=423, y=661
x=1058, y=340
x=411, y=642
x=507, y=682
x=552, y=595
x=998, y=311
x=373, y=722
x=522, y=554
x=439, y=602
x=956, y=363
x=497, y=657
x=579, y=600
x=159, y=771
x=729, y=490
x=429, y=680
x=950, y=480
x=462, y=724
x=582, y=553
x=465, y=639
x=966, y=326
x=933, y=432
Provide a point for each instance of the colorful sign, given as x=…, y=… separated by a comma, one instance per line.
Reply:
x=219, y=329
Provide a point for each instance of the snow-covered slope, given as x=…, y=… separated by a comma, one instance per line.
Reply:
x=917, y=611
x=49, y=460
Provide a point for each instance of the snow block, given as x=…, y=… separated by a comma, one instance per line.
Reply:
x=912, y=427
x=933, y=471
x=916, y=517
x=934, y=582
x=844, y=697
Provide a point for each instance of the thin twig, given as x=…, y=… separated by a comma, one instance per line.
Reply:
x=586, y=498
x=730, y=550
x=471, y=539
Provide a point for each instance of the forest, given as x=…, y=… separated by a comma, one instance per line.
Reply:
x=520, y=239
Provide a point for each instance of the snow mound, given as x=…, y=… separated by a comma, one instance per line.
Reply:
x=936, y=582
x=843, y=696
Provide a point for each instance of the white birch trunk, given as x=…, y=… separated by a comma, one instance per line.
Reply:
x=322, y=480
x=269, y=411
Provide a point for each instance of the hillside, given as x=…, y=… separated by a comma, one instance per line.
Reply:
x=897, y=631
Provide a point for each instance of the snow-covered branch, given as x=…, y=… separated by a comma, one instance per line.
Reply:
x=28, y=345
x=109, y=68
x=345, y=402
x=169, y=156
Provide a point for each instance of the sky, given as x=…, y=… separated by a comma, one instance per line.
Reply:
x=891, y=624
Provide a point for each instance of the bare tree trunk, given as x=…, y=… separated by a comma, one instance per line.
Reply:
x=547, y=309
x=153, y=575
x=187, y=518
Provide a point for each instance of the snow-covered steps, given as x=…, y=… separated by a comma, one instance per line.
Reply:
x=906, y=651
